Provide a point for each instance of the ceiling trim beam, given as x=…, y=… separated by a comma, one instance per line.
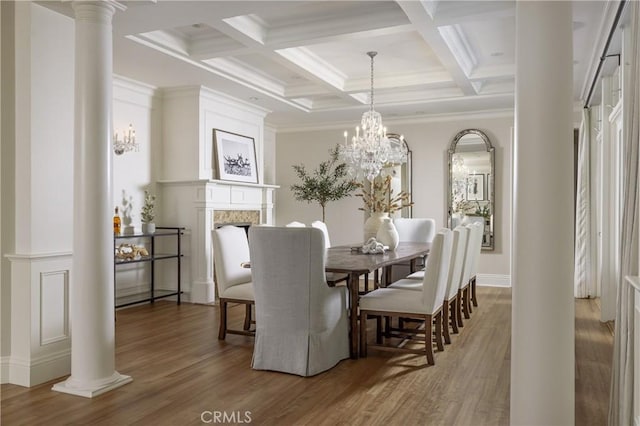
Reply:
x=217, y=72
x=420, y=18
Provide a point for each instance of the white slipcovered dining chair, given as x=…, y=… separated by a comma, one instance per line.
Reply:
x=295, y=224
x=397, y=302
x=230, y=251
x=451, y=300
x=470, y=265
x=417, y=230
x=301, y=323
x=325, y=231
x=332, y=278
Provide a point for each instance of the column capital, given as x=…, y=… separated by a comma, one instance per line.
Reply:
x=98, y=11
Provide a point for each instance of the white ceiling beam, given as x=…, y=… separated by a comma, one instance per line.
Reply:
x=299, y=60
x=249, y=25
x=219, y=72
x=420, y=18
x=216, y=47
x=459, y=46
x=493, y=72
x=450, y=13
x=247, y=73
x=379, y=18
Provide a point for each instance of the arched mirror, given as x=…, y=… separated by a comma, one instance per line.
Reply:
x=402, y=176
x=471, y=183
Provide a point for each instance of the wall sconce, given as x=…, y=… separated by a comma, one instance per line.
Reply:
x=128, y=142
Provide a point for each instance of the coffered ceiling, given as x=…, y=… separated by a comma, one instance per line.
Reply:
x=306, y=62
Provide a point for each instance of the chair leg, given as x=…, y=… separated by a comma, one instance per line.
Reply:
x=378, y=329
x=473, y=292
x=428, y=339
x=363, y=334
x=459, y=308
x=222, y=331
x=445, y=322
x=247, y=317
x=438, y=321
x=366, y=283
x=465, y=303
x=453, y=309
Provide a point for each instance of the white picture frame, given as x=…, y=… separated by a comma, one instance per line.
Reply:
x=475, y=187
x=235, y=157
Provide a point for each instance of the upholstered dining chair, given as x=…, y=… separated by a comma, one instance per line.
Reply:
x=474, y=266
x=295, y=224
x=332, y=278
x=450, y=303
x=470, y=265
x=301, y=323
x=402, y=303
x=230, y=251
x=418, y=230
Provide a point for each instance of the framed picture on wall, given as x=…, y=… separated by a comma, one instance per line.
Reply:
x=235, y=157
x=475, y=187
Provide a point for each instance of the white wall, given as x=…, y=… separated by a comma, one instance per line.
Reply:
x=6, y=171
x=134, y=103
x=429, y=142
x=38, y=183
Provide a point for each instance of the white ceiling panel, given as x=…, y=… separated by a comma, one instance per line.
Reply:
x=306, y=62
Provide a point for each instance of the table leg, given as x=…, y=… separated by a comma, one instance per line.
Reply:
x=354, y=284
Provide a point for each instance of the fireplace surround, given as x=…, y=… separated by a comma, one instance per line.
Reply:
x=201, y=206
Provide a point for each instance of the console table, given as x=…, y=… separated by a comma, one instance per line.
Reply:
x=152, y=258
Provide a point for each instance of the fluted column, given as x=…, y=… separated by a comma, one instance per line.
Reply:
x=92, y=297
x=542, y=342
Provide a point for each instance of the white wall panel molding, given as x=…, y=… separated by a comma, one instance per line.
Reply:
x=40, y=334
x=54, y=307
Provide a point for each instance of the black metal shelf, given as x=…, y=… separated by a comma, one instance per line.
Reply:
x=153, y=293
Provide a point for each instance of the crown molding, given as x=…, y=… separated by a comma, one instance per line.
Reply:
x=427, y=118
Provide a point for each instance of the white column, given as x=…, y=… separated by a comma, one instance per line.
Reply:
x=92, y=298
x=542, y=336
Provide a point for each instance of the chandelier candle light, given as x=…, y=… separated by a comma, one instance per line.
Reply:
x=128, y=142
x=371, y=151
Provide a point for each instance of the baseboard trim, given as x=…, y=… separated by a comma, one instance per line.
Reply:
x=493, y=280
x=4, y=369
x=39, y=370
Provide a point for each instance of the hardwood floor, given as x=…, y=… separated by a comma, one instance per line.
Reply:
x=181, y=370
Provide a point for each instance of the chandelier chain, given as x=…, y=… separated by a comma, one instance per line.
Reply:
x=372, y=82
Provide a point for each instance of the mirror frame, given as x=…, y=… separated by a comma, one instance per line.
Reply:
x=490, y=184
x=406, y=175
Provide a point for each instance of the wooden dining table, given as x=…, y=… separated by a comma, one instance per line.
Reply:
x=345, y=260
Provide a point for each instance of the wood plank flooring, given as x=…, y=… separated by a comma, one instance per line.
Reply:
x=181, y=370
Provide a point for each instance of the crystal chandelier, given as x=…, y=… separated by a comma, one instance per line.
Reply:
x=127, y=143
x=370, y=151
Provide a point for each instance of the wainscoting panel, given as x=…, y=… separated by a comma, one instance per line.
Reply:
x=54, y=306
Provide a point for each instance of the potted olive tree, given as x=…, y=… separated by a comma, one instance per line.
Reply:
x=328, y=182
x=148, y=213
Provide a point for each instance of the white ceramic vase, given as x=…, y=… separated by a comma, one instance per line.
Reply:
x=388, y=235
x=372, y=224
x=148, y=228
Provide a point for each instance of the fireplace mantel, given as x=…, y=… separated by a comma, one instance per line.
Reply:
x=193, y=204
